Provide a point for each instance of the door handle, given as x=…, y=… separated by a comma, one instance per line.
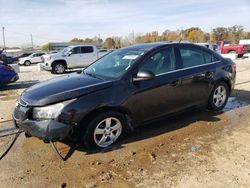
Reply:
x=209, y=74
x=175, y=83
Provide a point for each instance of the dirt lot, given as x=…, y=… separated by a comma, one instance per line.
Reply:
x=195, y=149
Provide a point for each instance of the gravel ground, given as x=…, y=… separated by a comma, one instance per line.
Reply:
x=195, y=149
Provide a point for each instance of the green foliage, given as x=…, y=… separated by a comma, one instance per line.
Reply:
x=109, y=43
x=95, y=41
x=77, y=40
x=46, y=47
x=192, y=34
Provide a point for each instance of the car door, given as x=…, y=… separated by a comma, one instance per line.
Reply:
x=74, y=57
x=157, y=97
x=33, y=58
x=196, y=73
x=38, y=57
x=88, y=55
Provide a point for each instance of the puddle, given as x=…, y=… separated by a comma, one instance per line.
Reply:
x=234, y=103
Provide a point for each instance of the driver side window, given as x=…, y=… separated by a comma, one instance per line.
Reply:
x=76, y=50
x=161, y=62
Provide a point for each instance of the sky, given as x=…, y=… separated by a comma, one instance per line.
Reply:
x=62, y=20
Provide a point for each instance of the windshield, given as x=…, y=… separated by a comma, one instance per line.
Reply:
x=115, y=64
x=65, y=50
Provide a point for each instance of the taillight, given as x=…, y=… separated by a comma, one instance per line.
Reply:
x=234, y=67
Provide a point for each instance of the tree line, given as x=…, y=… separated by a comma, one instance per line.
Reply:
x=192, y=34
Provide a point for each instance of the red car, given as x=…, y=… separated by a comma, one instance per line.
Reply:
x=226, y=47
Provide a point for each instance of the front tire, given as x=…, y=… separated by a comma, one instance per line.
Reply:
x=218, y=97
x=58, y=68
x=104, y=130
x=27, y=63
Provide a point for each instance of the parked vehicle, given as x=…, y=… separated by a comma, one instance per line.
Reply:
x=7, y=59
x=103, y=52
x=226, y=47
x=31, y=59
x=246, y=43
x=71, y=57
x=23, y=55
x=7, y=74
x=126, y=88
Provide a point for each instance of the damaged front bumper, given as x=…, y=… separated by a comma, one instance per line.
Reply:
x=47, y=130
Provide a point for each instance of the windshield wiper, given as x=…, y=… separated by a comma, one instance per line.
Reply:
x=92, y=75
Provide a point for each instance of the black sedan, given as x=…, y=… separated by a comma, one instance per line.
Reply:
x=126, y=88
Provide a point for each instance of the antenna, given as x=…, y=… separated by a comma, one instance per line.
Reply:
x=180, y=40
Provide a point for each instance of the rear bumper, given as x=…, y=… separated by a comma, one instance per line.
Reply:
x=46, y=130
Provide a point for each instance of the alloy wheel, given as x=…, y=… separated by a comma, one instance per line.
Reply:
x=107, y=132
x=59, y=68
x=220, y=96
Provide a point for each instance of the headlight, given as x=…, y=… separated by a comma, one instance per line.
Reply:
x=47, y=58
x=47, y=112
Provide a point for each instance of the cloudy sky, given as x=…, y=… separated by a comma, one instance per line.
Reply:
x=62, y=20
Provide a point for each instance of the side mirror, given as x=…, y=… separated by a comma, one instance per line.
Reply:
x=144, y=75
x=69, y=53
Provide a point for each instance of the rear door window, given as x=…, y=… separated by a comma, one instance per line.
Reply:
x=208, y=57
x=87, y=49
x=192, y=56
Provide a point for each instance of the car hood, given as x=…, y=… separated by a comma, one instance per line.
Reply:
x=54, y=56
x=62, y=88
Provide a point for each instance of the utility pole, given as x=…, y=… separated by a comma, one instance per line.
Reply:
x=182, y=36
x=211, y=35
x=133, y=35
x=4, y=45
x=31, y=38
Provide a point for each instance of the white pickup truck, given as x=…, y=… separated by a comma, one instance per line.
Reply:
x=78, y=56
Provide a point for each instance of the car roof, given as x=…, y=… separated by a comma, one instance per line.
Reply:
x=150, y=46
x=81, y=45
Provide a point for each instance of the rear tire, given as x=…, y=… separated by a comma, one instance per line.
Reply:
x=218, y=97
x=58, y=68
x=104, y=130
x=27, y=63
x=232, y=52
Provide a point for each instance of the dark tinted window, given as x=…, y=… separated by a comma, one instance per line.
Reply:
x=160, y=62
x=191, y=57
x=37, y=55
x=40, y=54
x=87, y=49
x=103, y=50
x=76, y=50
x=208, y=57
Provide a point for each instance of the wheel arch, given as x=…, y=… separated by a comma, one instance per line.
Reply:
x=87, y=118
x=227, y=81
x=59, y=61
